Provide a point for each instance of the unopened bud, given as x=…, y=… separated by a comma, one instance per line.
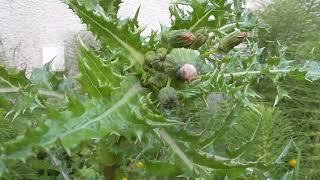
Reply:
x=231, y=40
x=188, y=72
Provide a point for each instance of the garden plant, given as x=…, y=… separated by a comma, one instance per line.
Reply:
x=196, y=100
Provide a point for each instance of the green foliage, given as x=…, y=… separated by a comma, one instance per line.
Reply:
x=302, y=109
x=295, y=24
x=93, y=77
x=200, y=15
x=108, y=29
x=266, y=136
x=225, y=123
x=12, y=78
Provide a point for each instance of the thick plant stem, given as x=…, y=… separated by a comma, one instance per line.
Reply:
x=58, y=164
x=167, y=138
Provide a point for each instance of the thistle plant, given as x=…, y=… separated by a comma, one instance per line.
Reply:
x=180, y=103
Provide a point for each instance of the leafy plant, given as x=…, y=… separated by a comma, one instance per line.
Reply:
x=148, y=107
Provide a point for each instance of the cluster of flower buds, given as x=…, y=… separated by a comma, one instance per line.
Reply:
x=185, y=39
x=175, y=65
x=180, y=60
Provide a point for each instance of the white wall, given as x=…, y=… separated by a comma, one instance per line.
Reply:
x=26, y=26
x=257, y=4
x=152, y=12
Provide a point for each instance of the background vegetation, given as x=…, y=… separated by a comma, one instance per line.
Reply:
x=294, y=24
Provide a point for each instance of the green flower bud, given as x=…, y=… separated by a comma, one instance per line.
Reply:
x=162, y=53
x=155, y=59
x=179, y=38
x=231, y=40
x=183, y=71
x=149, y=57
x=182, y=64
x=168, y=97
x=157, y=80
x=188, y=72
x=201, y=37
x=185, y=38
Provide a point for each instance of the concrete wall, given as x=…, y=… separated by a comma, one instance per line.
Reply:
x=253, y=5
x=27, y=26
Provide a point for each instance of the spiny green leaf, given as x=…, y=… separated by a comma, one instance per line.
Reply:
x=266, y=142
x=204, y=13
x=7, y=131
x=201, y=141
x=158, y=168
x=12, y=78
x=110, y=31
x=22, y=147
x=182, y=55
x=111, y=7
x=21, y=94
x=96, y=77
x=228, y=123
x=121, y=115
x=45, y=78
x=5, y=102
x=23, y=102
x=75, y=106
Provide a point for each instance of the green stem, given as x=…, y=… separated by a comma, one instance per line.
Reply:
x=230, y=27
x=50, y=93
x=196, y=24
x=206, y=54
x=58, y=164
x=40, y=91
x=169, y=82
x=237, y=74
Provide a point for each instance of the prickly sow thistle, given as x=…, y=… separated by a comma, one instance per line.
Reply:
x=175, y=62
x=179, y=60
x=110, y=127
x=180, y=65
